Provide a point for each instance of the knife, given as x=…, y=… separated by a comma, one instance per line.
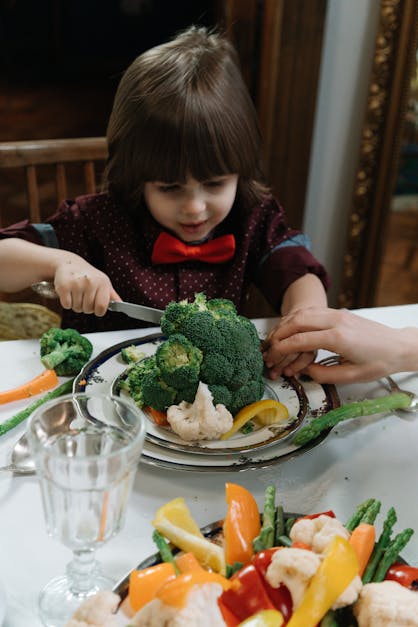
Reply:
x=139, y=312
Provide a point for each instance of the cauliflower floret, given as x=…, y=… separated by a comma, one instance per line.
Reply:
x=200, y=420
x=201, y=610
x=386, y=604
x=318, y=532
x=350, y=594
x=294, y=568
x=97, y=611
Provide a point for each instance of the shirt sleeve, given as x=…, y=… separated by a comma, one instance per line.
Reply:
x=282, y=254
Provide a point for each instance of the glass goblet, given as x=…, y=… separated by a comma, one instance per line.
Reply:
x=86, y=450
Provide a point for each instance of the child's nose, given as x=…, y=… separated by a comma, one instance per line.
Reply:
x=194, y=204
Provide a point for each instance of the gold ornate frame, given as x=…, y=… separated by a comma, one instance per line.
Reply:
x=396, y=43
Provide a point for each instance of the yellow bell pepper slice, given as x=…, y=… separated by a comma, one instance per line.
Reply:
x=266, y=618
x=271, y=409
x=335, y=573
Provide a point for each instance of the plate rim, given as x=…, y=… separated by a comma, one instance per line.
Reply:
x=242, y=463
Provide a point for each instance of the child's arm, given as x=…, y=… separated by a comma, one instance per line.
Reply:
x=307, y=291
x=79, y=285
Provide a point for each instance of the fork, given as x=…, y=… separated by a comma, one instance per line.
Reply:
x=334, y=360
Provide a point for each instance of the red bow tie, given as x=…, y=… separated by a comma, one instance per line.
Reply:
x=169, y=249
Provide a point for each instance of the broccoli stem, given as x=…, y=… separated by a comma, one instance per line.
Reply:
x=15, y=420
x=380, y=546
x=366, y=407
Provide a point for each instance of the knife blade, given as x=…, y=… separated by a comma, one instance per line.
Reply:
x=140, y=312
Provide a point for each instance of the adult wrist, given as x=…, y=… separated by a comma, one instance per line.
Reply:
x=408, y=349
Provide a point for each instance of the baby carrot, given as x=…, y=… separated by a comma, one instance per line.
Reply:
x=45, y=381
x=362, y=540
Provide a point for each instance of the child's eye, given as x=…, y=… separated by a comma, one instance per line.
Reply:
x=214, y=183
x=165, y=189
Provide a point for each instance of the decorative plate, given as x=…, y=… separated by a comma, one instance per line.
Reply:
x=258, y=449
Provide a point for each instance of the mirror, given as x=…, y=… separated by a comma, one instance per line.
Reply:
x=376, y=263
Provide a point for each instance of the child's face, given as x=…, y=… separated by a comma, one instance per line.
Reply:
x=191, y=210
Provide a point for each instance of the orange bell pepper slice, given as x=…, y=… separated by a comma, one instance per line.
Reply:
x=241, y=525
x=144, y=584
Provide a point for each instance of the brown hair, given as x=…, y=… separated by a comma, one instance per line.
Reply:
x=181, y=109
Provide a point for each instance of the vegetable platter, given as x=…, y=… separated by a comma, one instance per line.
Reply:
x=269, y=569
x=305, y=400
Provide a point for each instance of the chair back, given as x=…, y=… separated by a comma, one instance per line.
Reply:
x=52, y=169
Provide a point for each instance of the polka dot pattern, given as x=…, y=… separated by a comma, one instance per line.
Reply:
x=98, y=229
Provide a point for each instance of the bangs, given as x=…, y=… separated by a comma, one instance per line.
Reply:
x=199, y=143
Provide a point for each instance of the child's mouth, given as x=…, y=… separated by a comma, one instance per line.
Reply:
x=193, y=228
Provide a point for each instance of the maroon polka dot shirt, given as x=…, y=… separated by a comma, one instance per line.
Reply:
x=268, y=253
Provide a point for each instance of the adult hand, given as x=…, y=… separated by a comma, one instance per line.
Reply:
x=83, y=288
x=368, y=349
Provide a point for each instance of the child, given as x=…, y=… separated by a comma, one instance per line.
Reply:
x=185, y=209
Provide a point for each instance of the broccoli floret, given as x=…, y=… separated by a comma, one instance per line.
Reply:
x=221, y=308
x=210, y=342
x=179, y=361
x=133, y=382
x=156, y=392
x=187, y=393
x=65, y=351
x=131, y=354
x=216, y=369
x=246, y=394
x=221, y=394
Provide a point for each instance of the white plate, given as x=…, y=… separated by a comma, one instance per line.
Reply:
x=256, y=450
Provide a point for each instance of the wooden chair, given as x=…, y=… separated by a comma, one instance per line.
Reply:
x=49, y=171
x=35, y=157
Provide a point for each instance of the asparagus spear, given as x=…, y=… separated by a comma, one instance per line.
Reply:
x=380, y=546
x=371, y=513
x=366, y=407
x=15, y=420
x=361, y=509
x=265, y=539
x=279, y=526
x=391, y=553
x=164, y=549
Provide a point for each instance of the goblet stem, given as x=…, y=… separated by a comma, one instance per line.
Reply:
x=83, y=571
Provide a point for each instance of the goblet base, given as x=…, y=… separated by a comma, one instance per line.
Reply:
x=58, y=602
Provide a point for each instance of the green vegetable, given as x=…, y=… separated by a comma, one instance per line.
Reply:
x=133, y=382
x=371, y=513
x=206, y=341
x=164, y=550
x=65, y=351
x=288, y=525
x=179, y=361
x=15, y=420
x=131, y=354
x=366, y=407
x=284, y=541
x=391, y=553
x=380, y=546
x=329, y=620
x=279, y=526
x=265, y=539
x=355, y=519
x=230, y=570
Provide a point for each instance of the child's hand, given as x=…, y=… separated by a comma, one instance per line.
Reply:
x=280, y=363
x=83, y=288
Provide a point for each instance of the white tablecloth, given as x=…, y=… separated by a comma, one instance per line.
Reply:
x=369, y=457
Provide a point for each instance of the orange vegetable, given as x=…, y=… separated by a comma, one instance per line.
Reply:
x=176, y=591
x=43, y=382
x=301, y=545
x=362, y=539
x=188, y=563
x=241, y=524
x=144, y=584
x=159, y=417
